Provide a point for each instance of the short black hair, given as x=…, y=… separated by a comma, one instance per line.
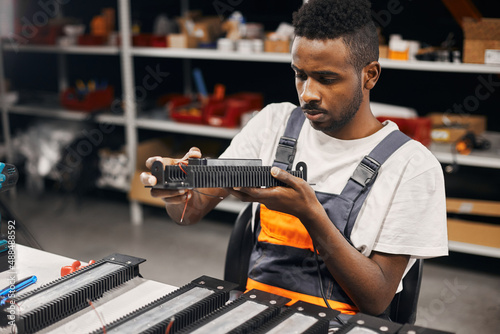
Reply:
x=350, y=20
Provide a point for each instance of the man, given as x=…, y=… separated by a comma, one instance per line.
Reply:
x=402, y=218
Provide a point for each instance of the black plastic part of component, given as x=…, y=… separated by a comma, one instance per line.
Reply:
x=273, y=304
x=224, y=162
x=63, y=306
x=186, y=316
x=215, y=175
x=322, y=315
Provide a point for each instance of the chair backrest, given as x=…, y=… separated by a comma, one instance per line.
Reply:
x=239, y=249
x=403, y=308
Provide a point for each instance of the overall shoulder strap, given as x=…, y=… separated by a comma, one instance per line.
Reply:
x=361, y=181
x=285, y=153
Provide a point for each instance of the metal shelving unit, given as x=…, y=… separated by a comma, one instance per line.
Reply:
x=82, y=50
x=489, y=158
x=133, y=122
x=63, y=114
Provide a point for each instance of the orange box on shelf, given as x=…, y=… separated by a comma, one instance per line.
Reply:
x=91, y=101
x=418, y=128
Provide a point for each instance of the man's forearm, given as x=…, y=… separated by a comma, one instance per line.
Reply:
x=370, y=282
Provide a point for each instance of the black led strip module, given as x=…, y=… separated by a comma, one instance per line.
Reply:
x=184, y=305
x=244, y=315
x=301, y=317
x=219, y=173
x=58, y=299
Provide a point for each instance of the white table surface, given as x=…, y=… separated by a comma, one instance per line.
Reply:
x=113, y=305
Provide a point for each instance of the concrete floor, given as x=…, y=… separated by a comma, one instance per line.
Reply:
x=460, y=294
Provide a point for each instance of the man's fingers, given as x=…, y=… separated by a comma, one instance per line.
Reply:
x=151, y=160
x=241, y=194
x=171, y=196
x=194, y=152
x=147, y=179
x=283, y=176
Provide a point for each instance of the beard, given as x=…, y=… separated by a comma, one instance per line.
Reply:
x=347, y=113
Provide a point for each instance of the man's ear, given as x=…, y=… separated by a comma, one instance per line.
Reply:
x=371, y=73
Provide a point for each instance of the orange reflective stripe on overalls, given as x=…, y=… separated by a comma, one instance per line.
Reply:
x=286, y=230
x=295, y=296
x=283, y=229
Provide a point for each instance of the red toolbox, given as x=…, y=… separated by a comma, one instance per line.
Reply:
x=227, y=113
x=216, y=112
x=418, y=128
x=91, y=101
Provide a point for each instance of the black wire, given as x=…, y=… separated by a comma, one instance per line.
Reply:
x=320, y=278
x=320, y=281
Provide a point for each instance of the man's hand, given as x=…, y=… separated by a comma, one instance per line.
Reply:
x=298, y=199
x=370, y=282
x=169, y=196
x=183, y=206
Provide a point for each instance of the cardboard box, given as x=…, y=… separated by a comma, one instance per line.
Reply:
x=476, y=233
x=457, y=126
x=276, y=46
x=383, y=51
x=473, y=207
x=480, y=36
x=181, y=41
x=145, y=150
x=205, y=29
x=164, y=147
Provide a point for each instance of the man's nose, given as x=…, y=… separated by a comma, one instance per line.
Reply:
x=309, y=92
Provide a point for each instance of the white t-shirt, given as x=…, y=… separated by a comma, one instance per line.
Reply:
x=405, y=211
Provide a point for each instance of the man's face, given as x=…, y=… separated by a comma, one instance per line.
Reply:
x=328, y=86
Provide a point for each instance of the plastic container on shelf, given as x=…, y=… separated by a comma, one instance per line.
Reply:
x=149, y=40
x=89, y=101
x=225, y=112
x=183, y=109
x=228, y=114
x=418, y=128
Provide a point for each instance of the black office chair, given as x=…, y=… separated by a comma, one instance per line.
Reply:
x=403, y=308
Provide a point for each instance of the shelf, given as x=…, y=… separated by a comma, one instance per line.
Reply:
x=84, y=50
x=64, y=114
x=436, y=66
x=185, y=128
x=212, y=54
x=462, y=247
x=489, y=158
x=286, y=58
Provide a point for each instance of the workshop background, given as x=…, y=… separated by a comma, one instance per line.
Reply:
x=83, y=107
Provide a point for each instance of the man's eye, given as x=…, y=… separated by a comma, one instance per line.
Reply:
x=327, y=81
x=300, y=76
